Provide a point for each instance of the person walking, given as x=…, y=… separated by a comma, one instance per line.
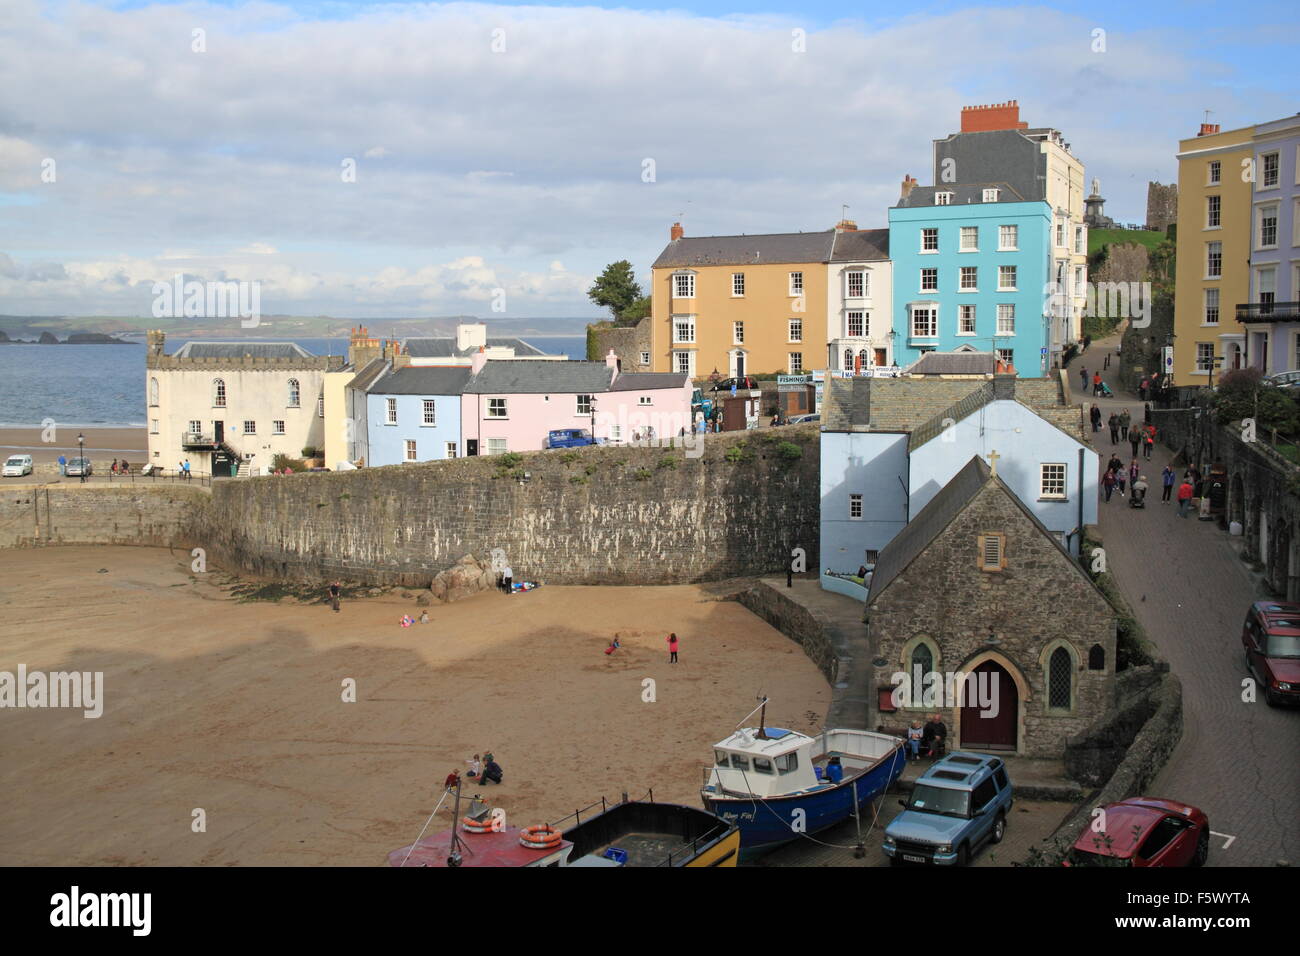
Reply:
x=1087, y=340
x=1113, y=422
x=1167, y=479
x=1184, y=498
x=1108, y=482
x=672, y=648
x=1095, y=415
x=507, y=578
x=1106, y=362
x=1142, y=389
x=1083, y=379
x=1125, y=419
x=1096, y=383
x=1135, y=439
x=334, y=590
x=1133, y=472
x=1148, y=441
x=1121, y=476
x=63, y=465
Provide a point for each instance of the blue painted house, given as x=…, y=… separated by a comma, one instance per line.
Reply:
x=413, y=413
x=971, y=273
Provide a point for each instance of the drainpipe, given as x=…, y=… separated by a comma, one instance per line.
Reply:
x=1081, y=461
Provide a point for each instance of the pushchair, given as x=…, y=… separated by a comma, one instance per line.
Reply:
x=1138, y=498
x=1106, y=392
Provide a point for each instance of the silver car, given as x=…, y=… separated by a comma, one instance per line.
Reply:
x=80, y=466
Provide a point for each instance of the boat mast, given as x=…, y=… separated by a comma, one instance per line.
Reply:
x=762, y=720
x=454, y=851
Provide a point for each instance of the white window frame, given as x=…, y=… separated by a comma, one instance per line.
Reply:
x=196, y=427
x=219, y=395
x=932, y=273
x=645, y=358
x=153, y=393
x=796, y=284
x=933, y=322
x=738, y=285
x=645, y=400
x=686, y=323
x=1260, y=215
x=498, y=412
x=991, y=195
x=962, y=312
x=863, y=286
x=453, y=449
x=863, y=328
x=1006, y=321
x=428, y=413
x=1263, y=169
x=410, y=451
x=1053, y=481
x=1080, y=245
x=1015, y=238
x=582, y=405
x=795, y=329
x=1003, y=274
x=390, y=411
x=1204, y=360
x=250, y=427
x=962, y=235
x=499, y=446
x=684, y=357
x=683, y=280
x=737, y=333
x=855, y=507
x=153, y=426
x=1216, y=305
x=294, y=398
x=277, y=427
x=1214, y=212
x=943, y=199
x=929, y=233
x=1060, y=234
x=1005, y=355
x=794, y=363
x=1213, y=172
x=1211, y=248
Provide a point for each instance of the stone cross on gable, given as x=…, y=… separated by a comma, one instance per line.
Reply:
x=993, y=457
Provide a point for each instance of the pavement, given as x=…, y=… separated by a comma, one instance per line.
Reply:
x=1190, y=590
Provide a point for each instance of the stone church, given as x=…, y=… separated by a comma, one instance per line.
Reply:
x=976, y=585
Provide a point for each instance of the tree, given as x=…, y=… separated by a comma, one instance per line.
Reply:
x=635, y=312
x=1242, y=394
x=616, y=288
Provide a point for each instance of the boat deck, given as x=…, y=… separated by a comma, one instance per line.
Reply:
x=648, y=849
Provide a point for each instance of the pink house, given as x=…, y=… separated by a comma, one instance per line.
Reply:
x=512, y=404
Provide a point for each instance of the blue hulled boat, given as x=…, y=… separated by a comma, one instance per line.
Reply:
x=777, y=784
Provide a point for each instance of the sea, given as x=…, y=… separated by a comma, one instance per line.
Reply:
x=103, y=386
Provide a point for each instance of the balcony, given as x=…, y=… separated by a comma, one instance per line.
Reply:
x=1268, y=312
x=193, y=441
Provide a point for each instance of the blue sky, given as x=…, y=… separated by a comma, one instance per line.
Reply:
x=521, y=168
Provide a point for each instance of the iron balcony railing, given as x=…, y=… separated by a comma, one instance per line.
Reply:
x=1268, y=312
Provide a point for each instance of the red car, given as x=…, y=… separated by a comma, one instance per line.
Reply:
x=1145, y=831
x=1271, y=637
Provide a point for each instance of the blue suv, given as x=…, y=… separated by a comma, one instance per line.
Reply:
x=957, y=805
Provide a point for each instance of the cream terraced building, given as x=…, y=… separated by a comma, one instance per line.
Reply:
x=230, y=407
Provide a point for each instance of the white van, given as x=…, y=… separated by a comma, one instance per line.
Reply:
x=18, y=465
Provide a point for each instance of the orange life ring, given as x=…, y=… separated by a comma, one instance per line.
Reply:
x=540, y=837
x=476, y=826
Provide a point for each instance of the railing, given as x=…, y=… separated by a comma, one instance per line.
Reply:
x=1268, y=312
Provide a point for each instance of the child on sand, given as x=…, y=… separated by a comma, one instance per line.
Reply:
x=475, y=766
x=672, y=648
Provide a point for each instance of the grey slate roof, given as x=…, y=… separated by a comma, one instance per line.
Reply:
x=926, y=525
x=865, y=245
x=524, y=375
x=367, y=374
x=445, y=347
x=423, y=380
x=635, y=381
x=890, y=404
x=1041, y=396
x=237, y=350
x=747, y=250
x=970, y=193
x=954, y=363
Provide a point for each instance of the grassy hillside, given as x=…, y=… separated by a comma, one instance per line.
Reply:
x=1103, y=237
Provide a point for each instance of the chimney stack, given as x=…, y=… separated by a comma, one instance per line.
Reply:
x=477, y=361
x=846, y=225
x=908, y=185
x=676, y=232
x=982, y=119
x=1208, y=129
x=155, y=339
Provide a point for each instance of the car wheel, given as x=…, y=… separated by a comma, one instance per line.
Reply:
x=999, y=829
x=1202, y=849
x=895, y=861
x=963, y=855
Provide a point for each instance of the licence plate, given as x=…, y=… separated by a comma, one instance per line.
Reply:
x=913, y=859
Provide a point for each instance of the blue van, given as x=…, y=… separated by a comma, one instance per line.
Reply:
x=960, y=803
x=569, y=438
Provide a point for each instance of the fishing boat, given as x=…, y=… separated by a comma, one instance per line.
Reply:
x=778, y=785
x=628, y=833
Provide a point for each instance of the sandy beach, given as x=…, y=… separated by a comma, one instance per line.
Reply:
x=107, y=443
x=235, y=709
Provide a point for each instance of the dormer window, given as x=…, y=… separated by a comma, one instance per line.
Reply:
x=943, y=199
x=991, y=195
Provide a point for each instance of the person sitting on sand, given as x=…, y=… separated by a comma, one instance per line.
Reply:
x=475, y=766
x=453, y=781
x=491, y=771
x=424, y=617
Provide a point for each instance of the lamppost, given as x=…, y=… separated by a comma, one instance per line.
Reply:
x=81, y=455
x=591, y=400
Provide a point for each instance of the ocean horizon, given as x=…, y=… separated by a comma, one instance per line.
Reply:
x=103, y=386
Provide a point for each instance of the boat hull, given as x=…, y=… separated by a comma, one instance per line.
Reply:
x=770, y=822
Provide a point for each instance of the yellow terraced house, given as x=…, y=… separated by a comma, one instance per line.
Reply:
x=743, y=305
x=1214, y=230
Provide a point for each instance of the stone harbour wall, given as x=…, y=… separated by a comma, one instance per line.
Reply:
x=142, y=514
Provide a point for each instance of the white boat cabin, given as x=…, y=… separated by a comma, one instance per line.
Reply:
x=782, y=762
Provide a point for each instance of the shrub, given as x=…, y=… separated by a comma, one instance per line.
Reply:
x=309, y=451
x=735, y=453
x=590, y=469
x=578, y=479
x=569, y=457
x=641, y=474
x=667, y=461
x=789, y=451
x=510, y=459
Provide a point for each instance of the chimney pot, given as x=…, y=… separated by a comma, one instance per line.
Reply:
x=676, y=232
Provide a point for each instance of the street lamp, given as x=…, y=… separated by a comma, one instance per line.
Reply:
x=591, y=403
x=81, y=455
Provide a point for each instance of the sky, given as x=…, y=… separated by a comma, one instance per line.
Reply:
x=403, y=159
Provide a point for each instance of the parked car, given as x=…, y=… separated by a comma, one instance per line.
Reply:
x=745, y=381
x=801, y=419
x=80, y=466
x=18, y=465
x=1271, y=638
x=1283, y=379
x=1145, y=831
x=699, y=403
x=569, y=438
x=960, y=803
